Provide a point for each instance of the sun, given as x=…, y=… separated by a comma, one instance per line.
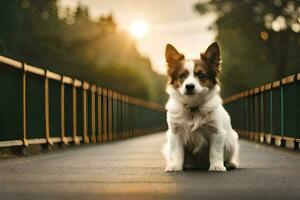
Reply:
x=138, y=29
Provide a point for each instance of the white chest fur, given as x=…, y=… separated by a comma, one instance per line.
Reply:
x=193, y=128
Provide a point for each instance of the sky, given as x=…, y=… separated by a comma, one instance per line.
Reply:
x=169, y=21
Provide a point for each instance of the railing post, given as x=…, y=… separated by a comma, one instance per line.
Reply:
x=99, y=114
x=85, y=87
x=109, y=114
x=25, y=142
x=47, y=126
x=120, y=121
x=123, y=116
x=297, y=96
x=262, y=135
x=115, y=116
x=134, y=116
x=281, y=111
x=74, y=99
x=127, y=117
x=93, y=117
x=257, y=114
x=104, y=114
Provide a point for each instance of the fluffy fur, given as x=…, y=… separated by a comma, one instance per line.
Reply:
x=197, y=121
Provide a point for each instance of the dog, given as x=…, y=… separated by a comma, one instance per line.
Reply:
x=197, y=120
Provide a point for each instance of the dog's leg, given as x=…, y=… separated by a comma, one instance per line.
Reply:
x=174, y=152
x=216, y=152
x=233, y=158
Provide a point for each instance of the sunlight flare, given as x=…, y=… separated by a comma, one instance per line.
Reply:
x=138, y=29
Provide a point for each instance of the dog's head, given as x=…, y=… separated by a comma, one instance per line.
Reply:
x=193, y=77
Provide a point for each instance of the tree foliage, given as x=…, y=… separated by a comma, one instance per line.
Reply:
x=260, y=40
x=73, y=44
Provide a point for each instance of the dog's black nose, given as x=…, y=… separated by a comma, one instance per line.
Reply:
x=189, y=87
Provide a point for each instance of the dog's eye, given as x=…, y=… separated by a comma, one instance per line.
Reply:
x=201, y=75
x=182, y=76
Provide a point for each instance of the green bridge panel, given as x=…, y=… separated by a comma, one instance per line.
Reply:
x=276, y=111
x=35, y=97
x=267, y=107
x=68, y=111
x=55, y=108
x=89, y=112
x=290, y=110
x=297, y=109
x=79, y=111
x=10, y=104
x=115, y=120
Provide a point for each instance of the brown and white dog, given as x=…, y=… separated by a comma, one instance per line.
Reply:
x=197, y=120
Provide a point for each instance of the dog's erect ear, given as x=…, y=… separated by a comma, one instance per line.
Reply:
x=212, y=55
x=172, y=55
x=212, y=59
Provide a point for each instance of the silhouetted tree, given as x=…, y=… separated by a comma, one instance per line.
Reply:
x=77, y=46
x=260, y=40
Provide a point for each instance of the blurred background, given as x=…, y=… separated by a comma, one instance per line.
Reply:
x=119, y=44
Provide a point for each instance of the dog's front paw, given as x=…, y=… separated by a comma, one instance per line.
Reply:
x=217, y=168
x=173, y=168
x=231, y=165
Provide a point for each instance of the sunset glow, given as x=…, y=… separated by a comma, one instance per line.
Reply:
x=138, y=29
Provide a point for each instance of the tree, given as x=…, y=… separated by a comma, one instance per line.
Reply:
x=77, y=46
x=259, y=40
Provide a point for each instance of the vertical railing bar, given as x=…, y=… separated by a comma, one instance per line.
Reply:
x=281, y=111
x=115, y=115
x=85, y=86
x=99, y=109
x=112, y=115
x=104, y=112
x=137, y=112
x=93, y=117
x=46, y=101
x=99, y=123
x=262, y=128
x=133, y=116
x=127, y=117
x=124, y=117
x=109, y=114
x=74, y=104
x=24, y=120
x=121, y=116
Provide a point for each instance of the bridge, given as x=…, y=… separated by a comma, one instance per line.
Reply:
x=107, y=145
x=134, y=169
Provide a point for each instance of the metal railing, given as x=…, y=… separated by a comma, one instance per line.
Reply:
x=38, y=106
x=269, y=113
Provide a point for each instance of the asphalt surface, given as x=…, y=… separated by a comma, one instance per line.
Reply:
x=134, y=169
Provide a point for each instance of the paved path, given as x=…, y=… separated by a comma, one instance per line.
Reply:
x=133, y=169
